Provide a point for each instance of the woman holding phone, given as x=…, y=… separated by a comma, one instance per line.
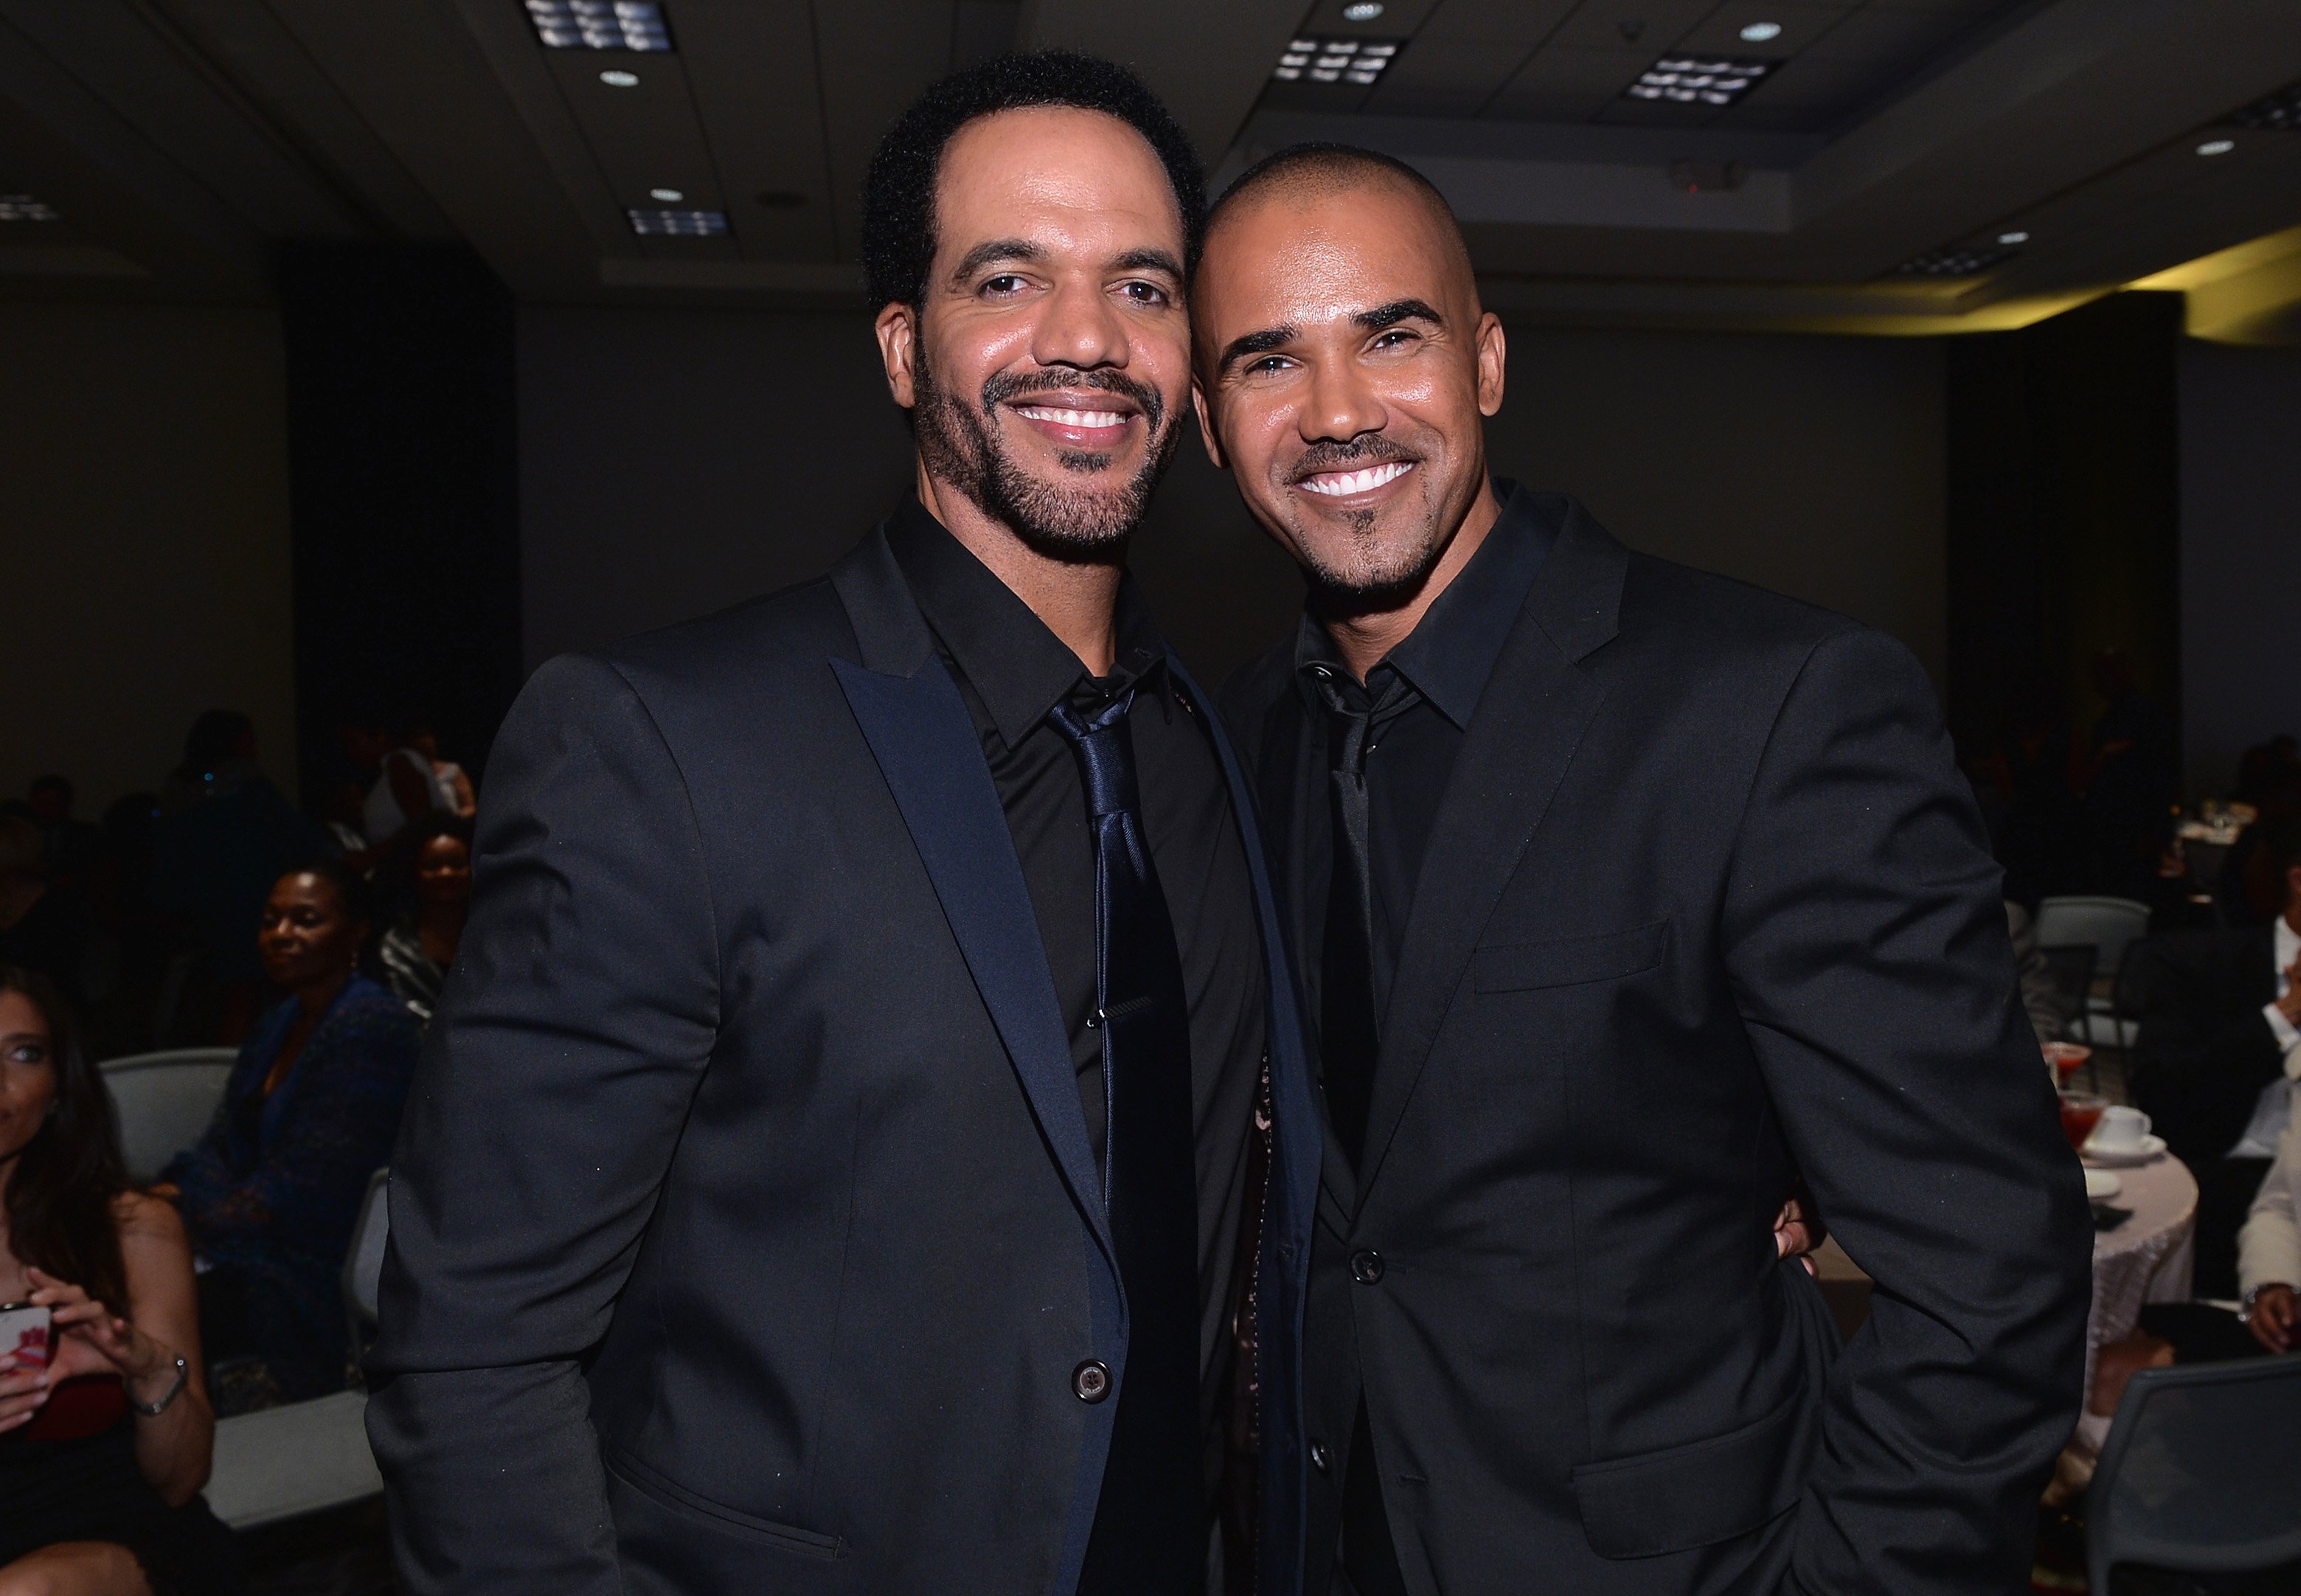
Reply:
x=105, y=1426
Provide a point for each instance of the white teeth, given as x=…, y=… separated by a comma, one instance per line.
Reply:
x=1072, y=418
x=1339, y=484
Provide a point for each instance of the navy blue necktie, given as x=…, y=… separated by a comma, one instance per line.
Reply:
x=1149, y=1537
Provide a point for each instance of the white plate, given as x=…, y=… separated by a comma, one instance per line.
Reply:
x=2101, y=1185
x=2152, y=1147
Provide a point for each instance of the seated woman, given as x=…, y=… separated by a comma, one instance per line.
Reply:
x=271, y=1192
x=104, y=1447
x=436, y=890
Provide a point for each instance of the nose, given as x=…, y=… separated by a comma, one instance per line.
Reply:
x=1079, y=327
x=1340, y=406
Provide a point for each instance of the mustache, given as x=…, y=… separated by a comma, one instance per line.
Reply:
x=1368, y=448
x=1005, y=388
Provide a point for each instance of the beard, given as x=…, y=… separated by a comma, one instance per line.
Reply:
x=1374, y=565
x=1076, y=519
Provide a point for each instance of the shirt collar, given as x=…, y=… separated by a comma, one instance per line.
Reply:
x=1019, y=668
x=1452, y=650
x=2289, y=946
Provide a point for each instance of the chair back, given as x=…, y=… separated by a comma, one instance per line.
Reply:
x=2071, y=966
x=2201, y=1474
x=2104, y=923
x=164, y=1101
x=363, y=1264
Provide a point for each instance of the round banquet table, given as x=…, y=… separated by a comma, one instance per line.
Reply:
x=2148, y=1258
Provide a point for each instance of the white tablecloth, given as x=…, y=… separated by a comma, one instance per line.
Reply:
x=2148, y=1258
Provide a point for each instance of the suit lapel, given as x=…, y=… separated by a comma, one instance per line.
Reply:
x=1521, y=739
x=921, y=735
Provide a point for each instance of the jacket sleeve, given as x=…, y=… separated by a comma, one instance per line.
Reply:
x=2269, y=1247
x=1867, y=946
x=569, y=1040
x=305, y=1191
x=2199, y=1061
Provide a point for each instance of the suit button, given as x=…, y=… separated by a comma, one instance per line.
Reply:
x=1091, y=1381
x=1318, y=1456
x=1366, y=1267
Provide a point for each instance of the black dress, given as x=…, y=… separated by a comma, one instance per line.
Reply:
x=71, y=1474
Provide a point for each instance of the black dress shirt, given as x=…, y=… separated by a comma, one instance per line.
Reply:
x=1408, y=761
x=1011, y=670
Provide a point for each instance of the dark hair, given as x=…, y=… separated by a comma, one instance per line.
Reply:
x=62, y=1197
x=352, y=889
x=214, y=738
x=55, y=782
x=898, y=195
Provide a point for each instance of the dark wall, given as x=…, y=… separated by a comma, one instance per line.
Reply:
x=143, y=541
x=674, y=461
x=2064, y=517
x=2240, y=553
x=405, y=479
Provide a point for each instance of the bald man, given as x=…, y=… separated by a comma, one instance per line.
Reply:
x=1625, y=896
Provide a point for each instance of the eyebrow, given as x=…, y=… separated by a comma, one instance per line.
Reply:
x=996, y=249
x=1254, y=344
x=1397, y=311
x=1023, y=249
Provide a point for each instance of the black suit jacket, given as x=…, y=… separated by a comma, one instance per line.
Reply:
x=1706, y=907
x=745, y=1232
x=2204, y=1050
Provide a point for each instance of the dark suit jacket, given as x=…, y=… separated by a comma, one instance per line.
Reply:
x=2204, y=1050
x=1707, y=906
x=745, y=1232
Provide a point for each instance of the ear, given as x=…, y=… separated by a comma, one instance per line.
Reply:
x=897, y=327
x=1206, y=434
x=1491, y=353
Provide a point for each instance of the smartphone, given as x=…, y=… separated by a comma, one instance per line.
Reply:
x=24, y=1333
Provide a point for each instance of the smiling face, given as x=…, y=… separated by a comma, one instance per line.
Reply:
x=27, y=1072
x=307, y=938
x=1344, y=368
x=443, y=871
x=1046, y=361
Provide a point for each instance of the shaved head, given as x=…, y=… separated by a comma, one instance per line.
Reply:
x=1307, y=174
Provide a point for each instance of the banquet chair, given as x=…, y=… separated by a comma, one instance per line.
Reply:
x=164, y=1101
x=2109, y=926
x=363, y=1264
x=2200, y=1473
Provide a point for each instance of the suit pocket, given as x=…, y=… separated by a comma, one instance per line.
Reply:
x=1697, y=1495
x=1523, y=966
x=682, y=1503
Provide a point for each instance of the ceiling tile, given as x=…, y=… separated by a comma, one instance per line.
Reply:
x=1652, y=26
x=1445, y=78
x=1802, y=22
x=1818, y=83
x=1905, y=39
x=1560, y=85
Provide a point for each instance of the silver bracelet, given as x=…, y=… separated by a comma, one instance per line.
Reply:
x=155, y=1409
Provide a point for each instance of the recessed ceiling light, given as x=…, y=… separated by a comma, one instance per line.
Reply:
x=600, y=25
x=1362, y=10
x=620, y=80
x=680, y=224
x=23, y=207
x=1336, y=60
x=1758, y=33
x=1699, y=79
x=2217, y=147
x=670, y=197
x=2016, y=237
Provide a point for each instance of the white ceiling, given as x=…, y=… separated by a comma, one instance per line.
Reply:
x=177, y=141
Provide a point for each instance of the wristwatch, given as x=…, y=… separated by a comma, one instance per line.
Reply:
x=155, y=1409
